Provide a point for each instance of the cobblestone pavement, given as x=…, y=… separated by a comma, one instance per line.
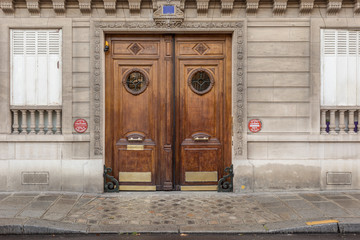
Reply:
x=174, y=210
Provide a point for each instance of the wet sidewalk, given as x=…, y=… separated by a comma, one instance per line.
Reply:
x=180, y=212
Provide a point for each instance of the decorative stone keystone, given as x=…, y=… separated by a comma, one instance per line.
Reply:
x=279, y=7
x=202, y=6
x=169, y=13
x=227, y=6
x=252, y=6
x=357, y=7
x=134, y=6
x=85, y=6
x=306, y=6
x=334, y=6
x=110, y=6
x=7, y=6
x=59, y=6
x=33, y=6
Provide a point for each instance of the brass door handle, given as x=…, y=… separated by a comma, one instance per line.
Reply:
x=198, y=139
x=138, y=139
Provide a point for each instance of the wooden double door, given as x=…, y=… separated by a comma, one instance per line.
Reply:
x=168, y=110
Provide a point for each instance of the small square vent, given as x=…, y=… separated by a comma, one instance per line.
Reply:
x=35, y=178
x=338, y=178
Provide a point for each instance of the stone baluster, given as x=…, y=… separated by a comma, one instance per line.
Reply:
x=50, y=124
x=323, y=122
x=41, y=122
x=32, y=122
x=16, y=121
x=58, y=124
x=23, y=122
x=332, y=122
x=351, y=122
x=342, y=121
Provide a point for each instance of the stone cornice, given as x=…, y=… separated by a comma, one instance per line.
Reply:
x=334, y=6
x=33, y=6
x=279, y=7
x=85, y=6
x=7, y=6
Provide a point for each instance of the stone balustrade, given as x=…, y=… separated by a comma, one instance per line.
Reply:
x=339, y=120
x=36, y=120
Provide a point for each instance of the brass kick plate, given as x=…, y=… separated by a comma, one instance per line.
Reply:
x=199, y=188
x=135, y=147
x=136, y=188
x=135, y=176
x=201, y=176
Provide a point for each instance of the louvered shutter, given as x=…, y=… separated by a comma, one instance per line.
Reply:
x=340, y=79
x=36, y=67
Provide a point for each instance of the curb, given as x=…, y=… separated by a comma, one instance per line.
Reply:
x=38, y=226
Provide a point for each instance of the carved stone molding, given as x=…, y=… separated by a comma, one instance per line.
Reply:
x=227, y=6
x=202, y=6
x=169, y=20
x=59, y=6
x=306, y=6
x=97, y=80
x=252, y=6
x=110, y=6
x=85, y=6
x=357, y=7
x=7, y=6
x=279, y=7
x=134, y=6
x=334, y=6
x=33, y=6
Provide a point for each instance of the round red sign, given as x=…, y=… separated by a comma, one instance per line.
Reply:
x=254, y=125
x=80, y=125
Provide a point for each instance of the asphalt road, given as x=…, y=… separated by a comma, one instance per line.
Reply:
x=135, y=236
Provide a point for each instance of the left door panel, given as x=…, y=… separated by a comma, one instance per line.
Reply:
x=132, y=111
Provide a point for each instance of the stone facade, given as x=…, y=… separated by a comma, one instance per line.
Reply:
x=276, y=78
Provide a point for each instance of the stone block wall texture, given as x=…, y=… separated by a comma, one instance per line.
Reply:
x=281, y=62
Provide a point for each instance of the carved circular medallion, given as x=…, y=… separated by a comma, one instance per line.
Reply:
x=201, y=81
x=135, y=81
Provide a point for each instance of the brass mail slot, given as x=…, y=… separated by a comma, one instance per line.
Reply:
x=201, y=176
x=135, y=176
x=199, y=188
x=136, y=188
x=135, y=147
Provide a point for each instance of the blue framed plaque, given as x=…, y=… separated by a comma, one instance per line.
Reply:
x=168, y=9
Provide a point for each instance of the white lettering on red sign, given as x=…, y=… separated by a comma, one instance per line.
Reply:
x=254, y=125
x=80, y=125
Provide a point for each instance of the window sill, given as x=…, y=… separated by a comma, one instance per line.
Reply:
x=45, y=138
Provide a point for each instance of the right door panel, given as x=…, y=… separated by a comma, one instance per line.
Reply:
x=202, y=108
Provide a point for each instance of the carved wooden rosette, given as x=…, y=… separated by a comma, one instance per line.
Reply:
x=211, y=78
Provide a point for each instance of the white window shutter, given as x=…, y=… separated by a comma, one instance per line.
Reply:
x=339, y=67
x=54, y=69
x=18, y=88
x=36, y=67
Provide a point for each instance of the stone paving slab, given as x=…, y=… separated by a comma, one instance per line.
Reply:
x=174, y=212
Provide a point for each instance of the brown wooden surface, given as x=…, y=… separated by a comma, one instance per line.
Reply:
x=149, y=115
